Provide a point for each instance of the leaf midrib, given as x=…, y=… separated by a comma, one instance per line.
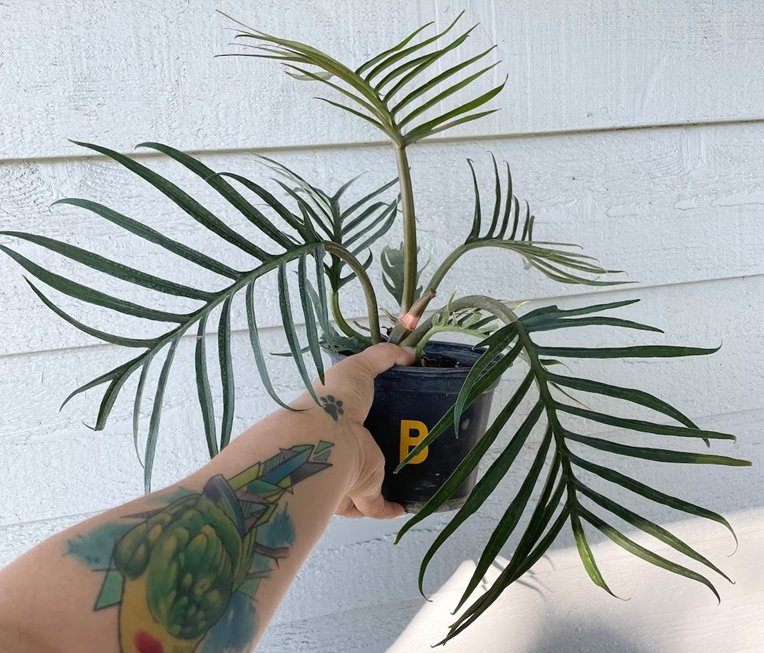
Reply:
x=561, y=449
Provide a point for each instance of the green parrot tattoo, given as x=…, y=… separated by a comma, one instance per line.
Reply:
x=179, y=571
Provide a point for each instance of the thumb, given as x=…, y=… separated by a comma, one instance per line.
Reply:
x=368, y=497
x=378, y=507
x=381, y=357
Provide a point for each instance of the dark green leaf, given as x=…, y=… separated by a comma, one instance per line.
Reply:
x=311, y=328
x=182, y=199
x=643, y=426
x=227, y=191
x=382, y=223
x=510, y=518
x=643, y=351
x=507, y=206
x=308, y=212
x=627, y=394
x=284, y=213
x=658, y=455
x=650, y=493
x=365, y=199
x=356, y=113
x=526, y=222
x=115, y=378
x=96, y=333
x=203, y=389
x=525, y=554
x=586, y=555
x=477, y=214
x=156, y=415
x=411, y=69
x=381, y=230
x=420, y=133
x=496, y=198
x=137, y=406
x=364, y=216
x=486, y=485
x=647, y=555
x=516, y=213
x=443, y=95
x=470, y=461
x=152, y=236
x=484, y=365
x=445, y=422
x=531, y=316
x=291, y=331
x=87, y=294
x=451, y=118
x=354, y=97
x=598, y=320
x=505, y=579
x=257, y=350
x=563, y=276
x=112, y=268
x=226, y=373
x=648, y=527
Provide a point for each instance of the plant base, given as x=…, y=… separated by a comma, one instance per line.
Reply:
x=408, y=402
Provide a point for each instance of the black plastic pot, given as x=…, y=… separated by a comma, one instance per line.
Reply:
x=408, y=401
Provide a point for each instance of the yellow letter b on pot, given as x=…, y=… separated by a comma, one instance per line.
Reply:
x=412, y=433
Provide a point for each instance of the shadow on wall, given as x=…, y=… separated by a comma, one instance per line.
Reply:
x=556, y=609
x=559, y=636
x=574, y=637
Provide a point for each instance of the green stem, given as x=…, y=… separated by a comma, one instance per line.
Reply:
x=409, y=228
x=493, y=306
x=341, y=322
x=363, y=278
x=460, y=251
x=448, y=263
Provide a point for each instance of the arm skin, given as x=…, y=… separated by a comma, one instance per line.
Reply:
x=48, y=595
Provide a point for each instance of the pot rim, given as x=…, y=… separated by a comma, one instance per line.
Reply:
x=430, y=371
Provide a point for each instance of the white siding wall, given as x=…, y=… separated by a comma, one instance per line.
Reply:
x=633, y=128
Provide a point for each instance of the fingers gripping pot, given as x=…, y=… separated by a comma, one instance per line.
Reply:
x=408, y=402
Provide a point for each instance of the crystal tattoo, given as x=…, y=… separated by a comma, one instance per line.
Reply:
x=184, y=576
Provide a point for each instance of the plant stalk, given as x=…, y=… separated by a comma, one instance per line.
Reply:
x=363, y=278
x=342, y=322
x=448, y=263
x=489, y=304
x=409, y=228
x=407, y=321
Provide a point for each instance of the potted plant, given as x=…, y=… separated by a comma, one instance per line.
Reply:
x=432, y=419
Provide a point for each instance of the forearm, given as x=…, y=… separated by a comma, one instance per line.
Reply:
x=179, y=567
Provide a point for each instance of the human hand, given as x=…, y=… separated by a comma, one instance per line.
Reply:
x=349, y=387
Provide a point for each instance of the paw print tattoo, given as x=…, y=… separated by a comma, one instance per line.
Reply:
x=332, y=406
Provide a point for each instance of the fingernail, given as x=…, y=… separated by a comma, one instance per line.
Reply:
x=410, y=350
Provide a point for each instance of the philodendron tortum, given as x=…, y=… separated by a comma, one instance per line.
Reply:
x=316, y=242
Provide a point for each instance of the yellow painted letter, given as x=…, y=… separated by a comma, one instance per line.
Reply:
x=412, y=433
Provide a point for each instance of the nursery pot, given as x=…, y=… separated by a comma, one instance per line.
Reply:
x=408, y=402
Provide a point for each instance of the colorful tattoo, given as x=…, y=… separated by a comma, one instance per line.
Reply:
x=185, y=575
x=332, y=406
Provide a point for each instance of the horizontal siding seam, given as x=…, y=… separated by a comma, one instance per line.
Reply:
x=140, y=154
x=546, y=300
